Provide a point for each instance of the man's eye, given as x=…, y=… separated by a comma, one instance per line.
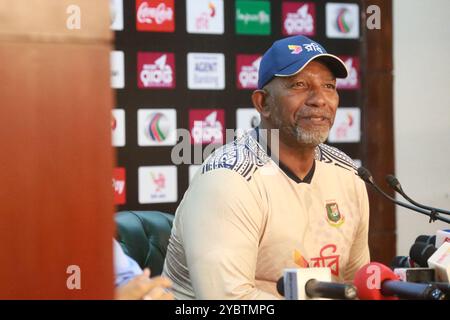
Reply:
x=299, y=84
x=330, y=86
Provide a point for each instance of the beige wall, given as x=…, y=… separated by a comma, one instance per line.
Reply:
x=421, y=111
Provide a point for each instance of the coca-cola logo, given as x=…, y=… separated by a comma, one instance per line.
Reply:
x=158, y=14
x=155, y=15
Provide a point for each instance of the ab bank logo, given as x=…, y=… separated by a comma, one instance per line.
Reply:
x=205, y=16
x=247, y=66
x=158, y=184
x=156, y=127
x=298, y=18
x=153, y=15
x=156, y=70
x=342, y=20
x=352, y=80
x=207, y=126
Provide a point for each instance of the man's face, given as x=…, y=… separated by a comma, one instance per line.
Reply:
x=303, y=106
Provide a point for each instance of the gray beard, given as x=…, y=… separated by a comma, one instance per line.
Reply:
x=310, y=137
x=302, y=136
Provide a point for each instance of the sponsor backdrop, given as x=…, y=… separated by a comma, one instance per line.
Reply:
x=192, y=65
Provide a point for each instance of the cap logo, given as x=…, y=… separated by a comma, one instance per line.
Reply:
x=295, y=49
x=312, y=47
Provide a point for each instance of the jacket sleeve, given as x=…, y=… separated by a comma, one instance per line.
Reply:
x=221, y=228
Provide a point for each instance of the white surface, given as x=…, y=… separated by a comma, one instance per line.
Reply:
x=167, y=125
x=421, y=111
x=117, y=61
x=206, y=71
x=118, y=134
x=158, y=184
x=350, y=17
x=205, y=16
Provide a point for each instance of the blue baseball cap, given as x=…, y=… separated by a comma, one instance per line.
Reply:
x=288, y=56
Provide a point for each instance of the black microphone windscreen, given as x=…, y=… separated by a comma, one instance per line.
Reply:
x=280, y=286
x=420, y=252
x=392, y=181
x=426, y=239
x=401, y=262
x=365, y=174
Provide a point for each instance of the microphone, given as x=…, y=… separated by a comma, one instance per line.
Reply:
x=416, y=260
x=365, y=174
x=375, y=281
x=441, y=237
x=426, y=255
x=403, y=262
x=426, y=239
x=420, y=252
x=440, y=262
x=395, y=184
x=306, y=283
x=421, y=275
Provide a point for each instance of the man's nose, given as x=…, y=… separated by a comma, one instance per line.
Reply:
x=316, y=98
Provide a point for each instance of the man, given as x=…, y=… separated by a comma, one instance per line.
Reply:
x=240, y=224
x=134, y=284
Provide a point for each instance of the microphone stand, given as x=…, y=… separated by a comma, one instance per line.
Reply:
x=364, y=174
x=396, y=186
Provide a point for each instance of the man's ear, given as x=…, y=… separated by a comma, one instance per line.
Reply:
x=259, y=98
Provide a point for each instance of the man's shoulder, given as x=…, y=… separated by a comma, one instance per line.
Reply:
x=243, y=156
x=333, y=156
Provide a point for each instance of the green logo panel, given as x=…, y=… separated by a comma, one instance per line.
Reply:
x=253, y=17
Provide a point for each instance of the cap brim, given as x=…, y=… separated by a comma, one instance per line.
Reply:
x=336, y=66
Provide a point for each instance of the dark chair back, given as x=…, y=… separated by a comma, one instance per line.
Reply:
x=144, y=236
